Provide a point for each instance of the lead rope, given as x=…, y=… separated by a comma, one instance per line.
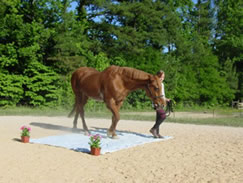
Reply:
x=169, y=108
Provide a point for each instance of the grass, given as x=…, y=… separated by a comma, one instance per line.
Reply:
x=230, y=117
x=27, y=111
x=226, y=120
x=222, y=121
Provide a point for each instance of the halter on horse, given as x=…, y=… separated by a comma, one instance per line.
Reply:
x=111, y=86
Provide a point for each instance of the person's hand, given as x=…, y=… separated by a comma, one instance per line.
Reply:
x=168, y=100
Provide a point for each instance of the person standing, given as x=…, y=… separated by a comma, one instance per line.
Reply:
x=160, y=113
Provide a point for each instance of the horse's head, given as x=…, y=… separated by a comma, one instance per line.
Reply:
x=154, y=91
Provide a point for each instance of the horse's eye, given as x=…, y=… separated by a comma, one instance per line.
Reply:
x=157, y=89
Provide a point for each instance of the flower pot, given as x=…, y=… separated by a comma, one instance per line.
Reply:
x=95, y=151
x=25, y=139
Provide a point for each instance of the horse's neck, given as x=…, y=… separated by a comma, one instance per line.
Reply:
x=136, y=84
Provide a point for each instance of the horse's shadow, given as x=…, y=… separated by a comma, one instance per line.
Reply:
x=102, y=131
x=55, y=127
x=121, y=132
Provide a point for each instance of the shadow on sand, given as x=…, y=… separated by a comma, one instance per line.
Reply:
x=16, y=139
x=55, y=127
x=102, y=131
x=122, y=132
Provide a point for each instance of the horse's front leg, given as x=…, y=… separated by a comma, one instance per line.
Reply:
x=111, y=132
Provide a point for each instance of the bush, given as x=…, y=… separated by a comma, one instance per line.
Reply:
x=11, y=89
x=42, y=87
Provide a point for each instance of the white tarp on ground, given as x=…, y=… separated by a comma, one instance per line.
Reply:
x=79, y=142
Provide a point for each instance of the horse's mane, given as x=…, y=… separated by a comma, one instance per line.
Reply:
x=129, y=72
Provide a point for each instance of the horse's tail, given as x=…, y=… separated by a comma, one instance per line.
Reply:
x=71, y=113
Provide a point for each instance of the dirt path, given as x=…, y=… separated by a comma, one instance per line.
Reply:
x=197, y=115
x=195, y=154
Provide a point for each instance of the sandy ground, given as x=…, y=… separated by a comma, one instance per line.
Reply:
x=195, y=154
x=197, y=115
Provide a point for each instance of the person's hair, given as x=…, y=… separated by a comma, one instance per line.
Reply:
x=160, y=73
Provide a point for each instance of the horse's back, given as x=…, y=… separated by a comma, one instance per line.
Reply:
x=86, y=80
x=113, y=82
x=83, y=71
x=126, y=72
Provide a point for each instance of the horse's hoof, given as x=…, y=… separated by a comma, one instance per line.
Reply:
x=87, y=133
x=109, y=134
x=115, y=137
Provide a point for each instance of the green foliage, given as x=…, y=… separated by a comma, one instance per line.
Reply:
x=149, y=61
x=229, y=40
x=199, y=46
x=11, y=89
x=70, y=45
x=119, y=61
x=95, y=141
x=42, y=86
x=66, y=93
x=8, y=57
x=25, y=131
x=100, y=62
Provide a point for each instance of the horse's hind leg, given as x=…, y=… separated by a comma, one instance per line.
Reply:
x=75, y=108
x=81, y=111
x=75, y=121
x=71, y=113
x=80, y=101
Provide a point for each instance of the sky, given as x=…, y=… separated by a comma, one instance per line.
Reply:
x=74, y=4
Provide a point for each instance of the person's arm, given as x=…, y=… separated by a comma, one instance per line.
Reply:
x=163, y=93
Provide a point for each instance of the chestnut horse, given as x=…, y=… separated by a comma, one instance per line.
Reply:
x=111, y=86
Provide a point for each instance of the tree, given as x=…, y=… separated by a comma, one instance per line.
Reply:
x=42, y=42
x=69, y=49
x=229, y=41
x=22, y=44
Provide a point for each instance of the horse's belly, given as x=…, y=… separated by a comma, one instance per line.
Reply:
x=98, y=96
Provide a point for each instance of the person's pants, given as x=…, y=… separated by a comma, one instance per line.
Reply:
x=160, y=117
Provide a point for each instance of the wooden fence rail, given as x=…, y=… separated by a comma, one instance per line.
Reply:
x=237, y=104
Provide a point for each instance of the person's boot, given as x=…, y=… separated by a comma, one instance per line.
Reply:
x=154, y=132
x=159, y=136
